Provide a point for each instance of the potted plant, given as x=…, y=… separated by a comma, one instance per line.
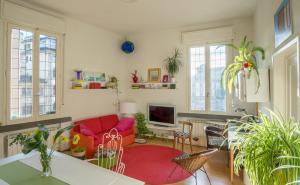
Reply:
x=172, y=64
x=268, y=150
x=245, y=61
x=141, y=126
x=37, y=140
x=78, y=152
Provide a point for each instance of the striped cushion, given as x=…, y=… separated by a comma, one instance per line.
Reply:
x=182, y=156
x=182, y=134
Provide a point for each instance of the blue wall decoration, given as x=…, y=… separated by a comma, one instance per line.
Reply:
x=127, y=47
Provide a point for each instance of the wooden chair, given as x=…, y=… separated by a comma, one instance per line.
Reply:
x=194, y=162
x=184, y=134
x=109, y=154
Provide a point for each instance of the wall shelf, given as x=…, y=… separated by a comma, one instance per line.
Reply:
x=158, y=86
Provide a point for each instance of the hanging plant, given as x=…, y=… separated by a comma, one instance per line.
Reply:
x=245, y=61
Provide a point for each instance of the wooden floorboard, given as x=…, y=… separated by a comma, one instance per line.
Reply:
x=217, y=167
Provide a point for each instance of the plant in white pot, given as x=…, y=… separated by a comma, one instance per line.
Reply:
x=173, y=64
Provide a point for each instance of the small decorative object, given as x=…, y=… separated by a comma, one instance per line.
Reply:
x=78, y=74
x=134, y=77
x=38, y=141
x=283, y=22
x=173, y=64
x=78, y=84
x=165, y=78
x=113, y=83
x=78, y=152
x=245, y=61
x=154, y=75
x=127, y=47
x=172, y=86
x=94, y=85
x=141, y=126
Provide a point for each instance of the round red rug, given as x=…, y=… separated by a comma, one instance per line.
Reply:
x=153, y=164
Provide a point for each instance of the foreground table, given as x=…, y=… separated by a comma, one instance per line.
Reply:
x=73, y=171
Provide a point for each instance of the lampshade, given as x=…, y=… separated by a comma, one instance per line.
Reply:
x=128, y=107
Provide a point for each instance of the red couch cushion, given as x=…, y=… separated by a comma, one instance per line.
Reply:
x=127, y=132
x=108, y=122
x=125, y=124
x=93, y=124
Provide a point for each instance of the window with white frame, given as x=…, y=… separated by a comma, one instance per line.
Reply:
x=32, y=73
x=207, y=63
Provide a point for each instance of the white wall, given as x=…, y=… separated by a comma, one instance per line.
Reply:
x=152, y=48
x=93, y=49
x=264, y=31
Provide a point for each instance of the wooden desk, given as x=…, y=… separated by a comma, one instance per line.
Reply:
x=74, y=171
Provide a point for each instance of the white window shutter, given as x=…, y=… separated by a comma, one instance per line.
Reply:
x=214, y=35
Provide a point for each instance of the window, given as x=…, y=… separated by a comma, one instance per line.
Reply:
x=21, y=74
x=207, y=63
x=47, y=82
x=32, y=74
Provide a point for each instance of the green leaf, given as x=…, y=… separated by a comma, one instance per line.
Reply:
x=61, y=131
x=260, y=50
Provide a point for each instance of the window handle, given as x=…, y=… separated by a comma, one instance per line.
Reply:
x=207, y=94
x=37, y=94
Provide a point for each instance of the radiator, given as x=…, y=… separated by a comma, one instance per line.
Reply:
x=16, y=148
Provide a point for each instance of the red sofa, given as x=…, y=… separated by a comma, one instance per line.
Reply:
x=98, y=126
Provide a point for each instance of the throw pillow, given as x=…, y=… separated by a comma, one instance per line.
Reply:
x=125, y=124
x=86, y=131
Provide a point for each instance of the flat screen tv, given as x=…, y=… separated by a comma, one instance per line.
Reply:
x=164, y=115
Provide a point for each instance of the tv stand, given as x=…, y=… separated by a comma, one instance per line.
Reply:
x=163, y=127
x=170, y=130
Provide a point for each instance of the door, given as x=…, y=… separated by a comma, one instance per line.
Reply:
x=291, y=87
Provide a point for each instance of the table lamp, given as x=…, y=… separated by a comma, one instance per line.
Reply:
x=128, y=109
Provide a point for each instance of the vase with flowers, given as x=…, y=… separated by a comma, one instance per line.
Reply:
x=37, y=141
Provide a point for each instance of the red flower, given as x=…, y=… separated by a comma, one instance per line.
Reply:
x=246, y=64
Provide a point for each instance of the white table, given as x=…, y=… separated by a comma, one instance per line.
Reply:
x=74, y=171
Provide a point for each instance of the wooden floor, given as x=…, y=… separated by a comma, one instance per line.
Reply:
x=217, y=167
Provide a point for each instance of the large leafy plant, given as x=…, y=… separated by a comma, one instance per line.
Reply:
x=268, y=151
x=245, y=60
x=173, y=63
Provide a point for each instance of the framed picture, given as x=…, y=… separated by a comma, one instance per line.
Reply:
x=283, y=22
x=154, y=75
x=94, y=76
x=165, y=79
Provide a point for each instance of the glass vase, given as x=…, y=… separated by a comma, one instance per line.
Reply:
x=45, y=160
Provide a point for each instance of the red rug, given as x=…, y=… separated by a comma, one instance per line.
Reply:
x=153, y=164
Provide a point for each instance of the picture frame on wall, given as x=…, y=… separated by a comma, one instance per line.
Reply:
x=165, y=79
x=283, y=22
x=154, y=75
x=94, y=76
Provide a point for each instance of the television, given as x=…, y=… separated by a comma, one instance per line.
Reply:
x=164, y=115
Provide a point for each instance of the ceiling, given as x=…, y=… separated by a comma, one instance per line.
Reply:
x=131, y=16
